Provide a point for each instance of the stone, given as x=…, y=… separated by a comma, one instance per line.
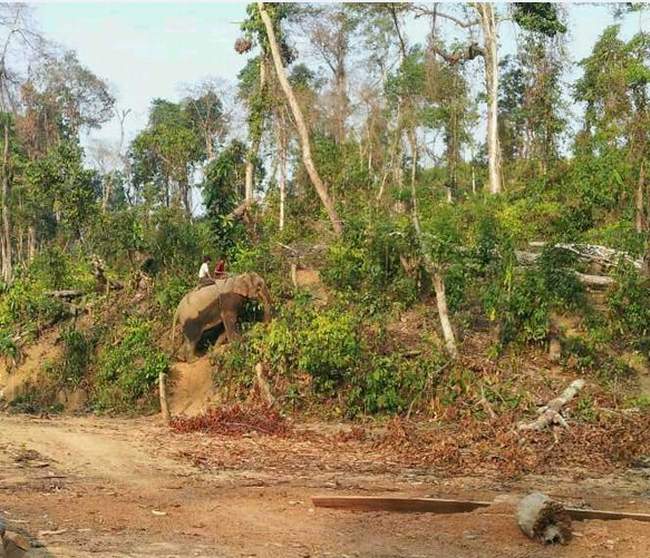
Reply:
x=15, y=545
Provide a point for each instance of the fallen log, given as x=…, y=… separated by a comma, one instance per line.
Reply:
x=444, y=506
x=549, y=414
x=544, y=519
x=65, y=293
x=607, y=257
x=596, y=281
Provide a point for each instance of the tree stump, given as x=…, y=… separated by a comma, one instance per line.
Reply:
x=544, y=519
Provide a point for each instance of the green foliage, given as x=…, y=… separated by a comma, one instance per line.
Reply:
x=170, y=289
x=61, y=192
x=128, y=370
x=221, y=196
x=25, y=303
x=590, y=356
x=8, y=347
x=629, y=302
x=78, y=354
x=540, y=17
x=329, y=349
x=521, y=306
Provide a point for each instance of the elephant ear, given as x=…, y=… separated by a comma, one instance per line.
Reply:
x=243, y=285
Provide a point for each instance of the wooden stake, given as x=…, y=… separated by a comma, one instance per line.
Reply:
x=164, y=407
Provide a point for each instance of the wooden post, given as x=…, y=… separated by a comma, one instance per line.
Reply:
x=263, y=385
x=164, y=407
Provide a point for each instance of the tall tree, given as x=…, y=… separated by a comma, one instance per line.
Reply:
x=330, y=29
x=303, y=133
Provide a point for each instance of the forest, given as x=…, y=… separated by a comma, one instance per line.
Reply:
x=428, y=227
x=441, y=220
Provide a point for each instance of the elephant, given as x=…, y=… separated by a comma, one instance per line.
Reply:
x=209, y=306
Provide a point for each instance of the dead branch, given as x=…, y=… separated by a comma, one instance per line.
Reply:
x=549, y=414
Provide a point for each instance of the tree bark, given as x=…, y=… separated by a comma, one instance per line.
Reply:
x=282, y=163
x=7, y=255
x=640, y=206
x=430, y=265
x=491, y=57
x=255, y=145
x=320, y=187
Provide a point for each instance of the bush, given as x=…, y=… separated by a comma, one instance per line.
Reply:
x=25, y=303
x=128, y=370
x=520, y=303
x=329, y=348
x=170, y=289
x=629, y=302
x=78, y=355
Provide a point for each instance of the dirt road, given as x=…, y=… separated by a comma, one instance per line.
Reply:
x=114, y=487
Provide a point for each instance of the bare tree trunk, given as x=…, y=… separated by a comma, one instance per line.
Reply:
x=640, y=206
x=255, y=145
x=282, y=155
x=300, y=124
x=342, y=100
x=31, y=243
x=7, y=271
x=491, y=56
x=431, y=267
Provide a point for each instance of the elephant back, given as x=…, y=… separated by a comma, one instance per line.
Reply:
x=194, y=302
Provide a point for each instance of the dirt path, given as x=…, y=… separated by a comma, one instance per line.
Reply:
x=111, y=487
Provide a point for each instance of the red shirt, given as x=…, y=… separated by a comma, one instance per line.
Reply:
x=219, y=268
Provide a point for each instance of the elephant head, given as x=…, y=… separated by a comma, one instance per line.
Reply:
x=251, y=285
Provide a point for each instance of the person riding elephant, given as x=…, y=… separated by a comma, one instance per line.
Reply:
x=220, y=303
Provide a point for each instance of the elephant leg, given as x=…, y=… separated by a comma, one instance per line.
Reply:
x=190, y=350
x=222, y=339
x=230, y=323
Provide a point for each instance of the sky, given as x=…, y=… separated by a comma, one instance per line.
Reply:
x=151, y=49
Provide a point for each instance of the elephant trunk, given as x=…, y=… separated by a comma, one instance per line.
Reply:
x=266, y=301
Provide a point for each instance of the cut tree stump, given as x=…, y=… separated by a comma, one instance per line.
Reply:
x=543, y=519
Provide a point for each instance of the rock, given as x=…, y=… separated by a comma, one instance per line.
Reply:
x=15, y=545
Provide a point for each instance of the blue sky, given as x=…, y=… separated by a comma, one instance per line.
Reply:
x=147, y=50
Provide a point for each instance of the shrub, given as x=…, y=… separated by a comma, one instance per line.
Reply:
x=344, y=267
x=78, y=354
x=329, y=349
x=128, y=370
x=521, y=306
x=629, y=302
x=170, y=289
